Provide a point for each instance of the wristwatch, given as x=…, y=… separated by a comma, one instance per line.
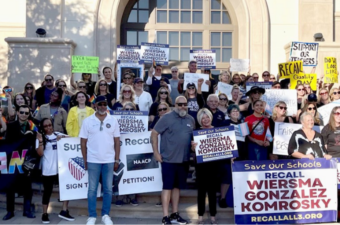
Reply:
x=117, y=161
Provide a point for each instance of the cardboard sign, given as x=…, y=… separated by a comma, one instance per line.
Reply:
x=131, y=121
x=205, y=58
x=272, y=96
x=224, y=88
x=304, y=51
x=153, y=51
x=241, y=130
x=330, y=70
x=239, y=65
x=325, y=110
x=85, y=64
x=121, y=68
x=303, y=78
x=128, y=54
x=193, y=78
x=286, y=70
x=285, y=191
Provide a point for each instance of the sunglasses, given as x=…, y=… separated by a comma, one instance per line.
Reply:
x=162, y=109
x=300, y=89
x=101, y=126
x=223, y=99
x=48, y=125
x=281, y=107
x=323, y=93
x=102, y=84
x=335, y=93
x=129, y=109
x=48, y=80
x=82, y=87
x=126, y=91
x=29, y=87
x=337, y=113
x=163, y=93
x=265, y=75
x=182, y=104
x=256, y=77
x=191, y=88
x=312, y=108
x=61, y=86
x=173, y=71
x=127, y=78
x=257, y=92
x=22, y=112
x=102, y=104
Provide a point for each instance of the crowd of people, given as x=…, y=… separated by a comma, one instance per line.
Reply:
x=81, y=108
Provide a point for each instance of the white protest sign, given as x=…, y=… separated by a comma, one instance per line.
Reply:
x=193, y=78
x=128, y=54
x=224, y=88
x=215, y=144
x=304, y=51
x=138, y=171
x=241, y=130
x=131, y=121
x=265, y=85
x=325, y=111
x=153, y=51
x=272, y=96
x=205, y=58
x=121, y=68
x=282, y=135
x=73, y=178
x=239, y=65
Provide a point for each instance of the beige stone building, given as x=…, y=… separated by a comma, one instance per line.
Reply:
x=260, y=30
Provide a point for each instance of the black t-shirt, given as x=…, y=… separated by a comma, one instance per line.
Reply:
x=332, y=140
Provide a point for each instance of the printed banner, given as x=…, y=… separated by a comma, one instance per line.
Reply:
x=303, y=78
x=330, y=70
x=282, y=135
x=285, y=191
x=286, y=70
x=131, y=121
x=239, y=65
x=85, y=64
x=265, y=85
x=325, y=111
x=153, y=51
x=128, y=54
x=73, y=178
x=241, y=131
x=272, y=96
x=193, y=78
x=205, y=58
x=338, y=170
x=138, y=171
x=304, y=51
x=136, y=70
x=224, y=88
x=215, y=144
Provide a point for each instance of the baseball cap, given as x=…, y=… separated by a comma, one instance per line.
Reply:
x=312, y=98
x=165, y=79
x=191, y=85
x=136, y=80
x=101, y=98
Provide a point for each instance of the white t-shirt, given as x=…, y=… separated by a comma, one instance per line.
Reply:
x=144, y=101
x=100, y=141
x=50, y=157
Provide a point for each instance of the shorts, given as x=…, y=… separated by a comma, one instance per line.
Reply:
x=174, y=175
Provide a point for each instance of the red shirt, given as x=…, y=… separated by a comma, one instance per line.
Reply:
x=260, y=131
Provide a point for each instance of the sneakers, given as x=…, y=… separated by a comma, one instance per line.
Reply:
x=158, y=204
x=66, y=215
x=107, y=220
x=119, y=203
x=166, y=220
x=44, y=218
x=91, y=221
x=176, y=218
x=134, y=202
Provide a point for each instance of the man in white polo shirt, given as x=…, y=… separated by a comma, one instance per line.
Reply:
x=100, y=146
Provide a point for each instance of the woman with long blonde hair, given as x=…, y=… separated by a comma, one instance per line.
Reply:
x=323, y=97
x=127, y=94
x=102, y=88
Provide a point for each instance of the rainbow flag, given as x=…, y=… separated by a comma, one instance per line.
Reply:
x=36, y=110
x=3, y=96
x=92, y=99
x=32, y=126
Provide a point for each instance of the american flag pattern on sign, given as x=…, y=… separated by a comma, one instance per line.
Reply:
x=76, y=167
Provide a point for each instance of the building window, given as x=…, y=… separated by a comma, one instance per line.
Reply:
x=222, y=43
x=180, y=11
x=218, y=13
x=136, y=37
x=139, y=12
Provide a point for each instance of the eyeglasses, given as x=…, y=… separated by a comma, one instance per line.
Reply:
x=126, y=91
x=163, y=93
x=127, y=78
x=102, y=84
x=323, y=93
x=101, y=126
x=48, y=80
x=174, y=71
x=311, y=108
x=162, y=109
x=48, y=125
x=29, y=87
x=337, y=113
x=22, y=112
x=272, y=78
x=300, y=89
x=61, y=86
x=307, y=87
x=191, y=88
x=223, y=99
x=256, y=77
x=182, y=104
x=129, y=109
x=335, y=93
x=81, y=87
x=102, y=104
x=282, y=107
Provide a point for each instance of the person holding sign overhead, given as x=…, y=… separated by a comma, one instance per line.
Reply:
x=192, y=66
x=154, y=80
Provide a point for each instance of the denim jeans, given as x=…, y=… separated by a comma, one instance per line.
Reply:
x=94, y=171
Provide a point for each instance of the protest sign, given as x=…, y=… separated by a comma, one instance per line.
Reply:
x=303, y=78
x=285, y=191
x=128, y=54
x=239, y=65
x=325, y=111
x=193, y=78
x=272, y=96
x=85, y=64
x=215, y=144
x=282, y=135
x=73, y=178
x=304, y=51
x=265, y=85
x=205, y=58
x=286, y=70
x=338, y=170
x=131, y=121
x=224, y=88
x=241, y=130
x=157, y=52
x=136, y=70
x=330, y=70
x=138, y=171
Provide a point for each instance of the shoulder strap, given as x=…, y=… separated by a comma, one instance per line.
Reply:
x=256, y=126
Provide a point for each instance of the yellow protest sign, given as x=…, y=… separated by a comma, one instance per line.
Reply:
x=290, y=68
x=85, y=64
x=303, y=78
x=330, y=70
